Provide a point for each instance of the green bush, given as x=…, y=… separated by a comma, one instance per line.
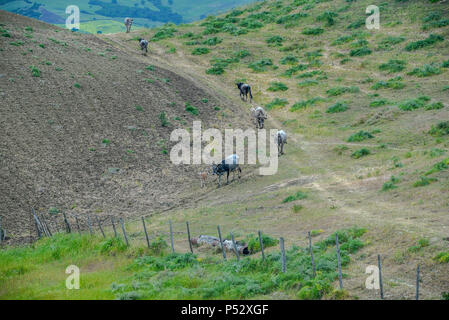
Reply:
x=200, y=51
x=277, y=86
x=275, y=41
x=297, y=196
x=212, y=41
x=35, y=71
x=337, y=107
x=389, y=42
x=193, y=110
x=328, y=16
x=306, y=103
x=432, y=39
x=308, y=83
x=360, y=136
x=313, y=31
x=426, y=71
x=360, y=52
x=275, y=103
x=413, y=104
x=254, y=242
x=337, y=91
x=261, y=65
x=293, y=70
x=393, y=65
x=360, y=153
x=378, y=103
x=394, y=83
x=289, y=60
x=423, y=181
x=440, y=129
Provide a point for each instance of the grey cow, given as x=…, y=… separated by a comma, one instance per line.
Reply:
x=128, y=24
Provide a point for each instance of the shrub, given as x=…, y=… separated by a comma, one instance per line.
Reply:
x=112, y=246
x=164, y=32
x=360, y=52
x=440, y=129
x=360, y=153
x=305, y=103
x=360, y=136
x=260, y=65
x=443, y=257
x=35, y=71
x=390, y=41
x=393, y=65
x=432, y=39
x=337, y=107
x=217, y=70
x=212, y=41
x=163, y=118
x=275, y=41
x=77, y=85
x=191, y=109
x=293, y=70
x=241, y=54
x=200, y=51
x=426, y=71
x=439, y=166
x=328, y=16
x=275, y=103
x=289, y=60
x=297, y=196
x=277, y=86
x=341, y=90
x=378, y=103
x=254, y=242
x=394, y=83
x=307, y=83
x=357, y=24
x=313, y=31
x=435, y=106
x=409, y=105
x=423, y=181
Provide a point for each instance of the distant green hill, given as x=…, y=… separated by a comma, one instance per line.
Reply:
x=106, y=16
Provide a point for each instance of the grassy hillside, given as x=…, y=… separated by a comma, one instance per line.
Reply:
x=366, y=115
x=107, y=16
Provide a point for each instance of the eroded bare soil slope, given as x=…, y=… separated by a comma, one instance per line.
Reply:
x=86, y=129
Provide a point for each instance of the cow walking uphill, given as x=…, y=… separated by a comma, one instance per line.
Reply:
x=259, y=116
x=281, y=140
x=128, y=24
x=245, y=89
x=230, y=164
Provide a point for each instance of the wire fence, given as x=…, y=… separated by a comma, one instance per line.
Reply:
x=135, y=231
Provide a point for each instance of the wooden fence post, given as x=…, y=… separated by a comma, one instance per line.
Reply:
x=417, y=283
x=78, y=225
x=221, y=243
x=235, y=247
x=113, y=226
x=261, y=246
x=124, y=232
x=171, y=238
x=340, y=280
x=188, y=236
x=311, y=254
x=89, y=224
x=281, y=242
x=67, y=224
x=145, y=230
x=1, y=231
x=380, y=277
x=40, y=229
x=101, y=228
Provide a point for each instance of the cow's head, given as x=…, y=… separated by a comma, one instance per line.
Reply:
x=239, y=85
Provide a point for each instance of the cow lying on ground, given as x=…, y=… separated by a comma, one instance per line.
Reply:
x=230, y=164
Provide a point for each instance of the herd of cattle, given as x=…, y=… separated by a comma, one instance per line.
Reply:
x=258, y=114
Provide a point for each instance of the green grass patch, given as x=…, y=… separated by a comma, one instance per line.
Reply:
x=277, y=86
x=360, y=153
x=192, y=109
x=200, y=51
x=393, y=65
x=299, y=195
x=276, y=102
x=360, y=136
x=441, y=129
x=432, y=39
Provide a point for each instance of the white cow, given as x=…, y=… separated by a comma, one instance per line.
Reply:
x=281, y=140
x=128, y=24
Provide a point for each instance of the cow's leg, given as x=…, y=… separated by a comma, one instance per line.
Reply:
x=240, y=172
x=227, y=177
